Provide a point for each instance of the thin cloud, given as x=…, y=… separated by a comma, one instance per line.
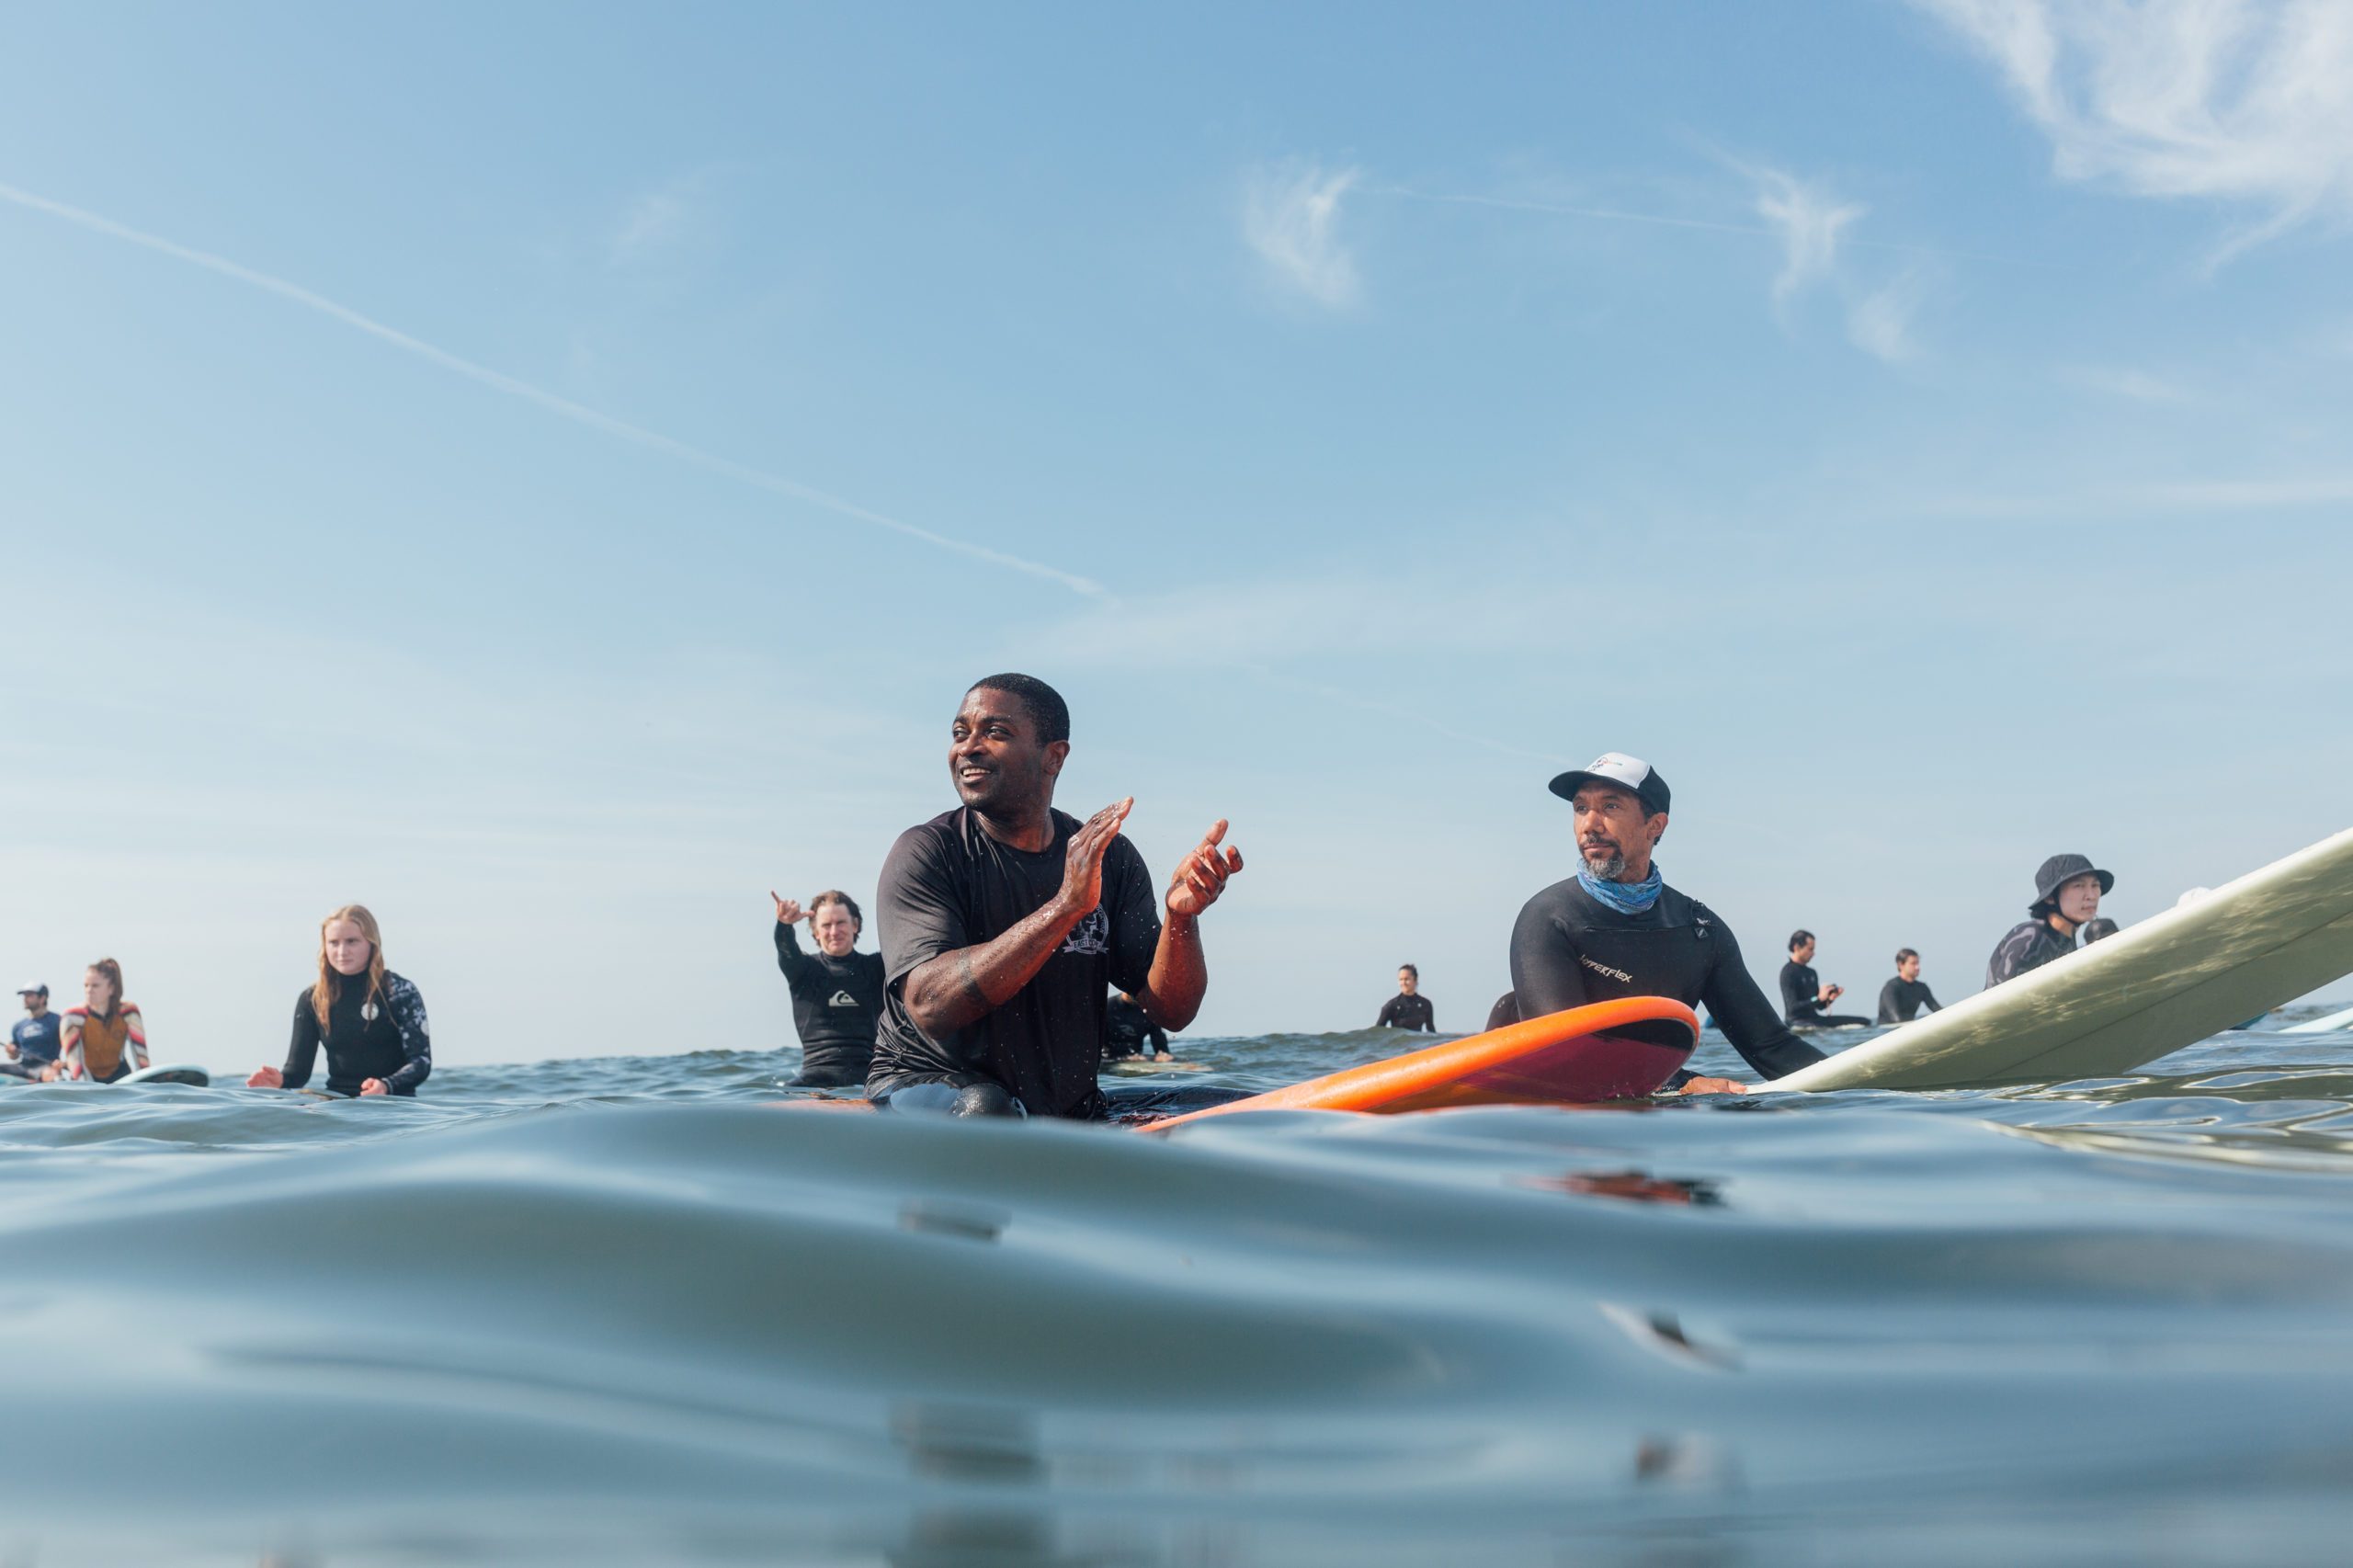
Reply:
x=2171, y=497
x=1291, y=216
x=2231, y=100
x=1808, y=221
x=2135, y=386
x=637, y=436
x=1879, y=323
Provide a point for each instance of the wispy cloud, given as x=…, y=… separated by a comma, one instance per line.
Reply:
x=2135, y=386
x=660, y=220
x=2171, y=497
x=1879, y=323
x=1291, y=216
x=2239, y=100
x=1808, y=221
x=637, y=436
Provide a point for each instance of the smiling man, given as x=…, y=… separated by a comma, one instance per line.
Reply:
x=1004, y=924
x=1617, y=930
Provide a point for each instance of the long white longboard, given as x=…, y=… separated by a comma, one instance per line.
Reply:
x=2151, y=989
x=2343, y=1020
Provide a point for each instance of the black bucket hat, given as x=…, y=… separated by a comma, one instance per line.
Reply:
x=2061, y=870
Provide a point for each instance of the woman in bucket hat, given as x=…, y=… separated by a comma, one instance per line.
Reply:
x=2066, y=896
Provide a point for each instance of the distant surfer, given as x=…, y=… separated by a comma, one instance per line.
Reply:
x=370, y=1022
x=1803, y=996
x=1003, y=923
x=1409, y=1009
x=1900, y=999
x=2067, y=892
x=105, y=1039
x=837, y=992
x=1128, y=1031
x=33, y=1039
x=1617, y=930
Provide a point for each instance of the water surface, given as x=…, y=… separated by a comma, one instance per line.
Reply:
x=630, y=1311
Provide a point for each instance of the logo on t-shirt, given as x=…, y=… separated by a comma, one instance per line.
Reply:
x=842, y=999
x=1091, y=936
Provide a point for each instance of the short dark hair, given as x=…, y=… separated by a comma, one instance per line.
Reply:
x=1047, y=710
x=1409, y=969
x=1799, y=939
x=1903, y=953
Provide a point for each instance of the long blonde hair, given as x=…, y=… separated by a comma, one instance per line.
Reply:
x=329, y=983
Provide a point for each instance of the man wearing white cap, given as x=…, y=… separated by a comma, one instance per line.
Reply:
x=1617, y=930
x=32, y=1043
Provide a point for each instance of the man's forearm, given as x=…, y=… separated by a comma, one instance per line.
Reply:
x=1179, y=977
x=945, y=994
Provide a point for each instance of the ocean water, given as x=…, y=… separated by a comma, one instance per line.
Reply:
x=631, y=1310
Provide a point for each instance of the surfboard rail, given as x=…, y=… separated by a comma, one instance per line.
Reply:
x=1605, y=1050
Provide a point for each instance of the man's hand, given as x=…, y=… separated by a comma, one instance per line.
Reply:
x=266, y=1078
x=1083, y=861
x=787, y=910
x=374, y=1086
x=1713, y=1087
x=1201, y=875
x=1830, y=993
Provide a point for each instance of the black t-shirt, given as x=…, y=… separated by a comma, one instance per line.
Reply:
x=1403, y=1012
x=948, y=885
x=1568, y=948
x=1900, y=1000
x=837, y=1003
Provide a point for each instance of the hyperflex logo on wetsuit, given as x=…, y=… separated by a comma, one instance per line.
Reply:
x=1616, y=974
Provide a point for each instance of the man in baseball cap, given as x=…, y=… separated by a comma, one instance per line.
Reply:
x=2066, y=896
x=32, y=1043
x=1617, y=930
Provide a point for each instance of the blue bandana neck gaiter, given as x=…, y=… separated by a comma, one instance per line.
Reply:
x=1626, y=898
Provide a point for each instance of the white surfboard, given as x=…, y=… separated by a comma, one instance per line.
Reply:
x=169, y=1073
x=2343, y=1020
x=2151, y=989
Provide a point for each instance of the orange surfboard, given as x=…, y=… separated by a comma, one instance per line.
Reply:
x=1606, y=1051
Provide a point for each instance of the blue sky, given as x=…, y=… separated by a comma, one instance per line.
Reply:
x=548, y=473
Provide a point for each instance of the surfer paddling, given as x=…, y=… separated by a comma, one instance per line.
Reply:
x=1005, y=922
x=2067, y=892
x=1617, y=930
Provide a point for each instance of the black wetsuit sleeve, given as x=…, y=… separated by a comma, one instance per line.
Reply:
x=1545, y=973
x=1800, y=994
x=1928, y=1000
x=794, y=963
x=1740, y=1010
x=1159, y=1040
x=1388, y=1010
x=407, y=1005
x=302, y=1051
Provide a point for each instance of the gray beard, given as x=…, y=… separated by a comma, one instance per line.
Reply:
x=1608, y=867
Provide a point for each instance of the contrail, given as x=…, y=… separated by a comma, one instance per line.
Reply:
x=579, y=414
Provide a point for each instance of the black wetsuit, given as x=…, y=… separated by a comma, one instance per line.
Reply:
x=384, y=1037
x=2028, y=946
x=1568, y=949
x=1801, y=1001
x=836, y=1002
x=1403, y=1012
x=1900, y=1000
x=1126, y=1028
x=948, y=885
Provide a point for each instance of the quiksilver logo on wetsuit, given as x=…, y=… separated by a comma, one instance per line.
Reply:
x=1604, y=969
x=843, y=999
